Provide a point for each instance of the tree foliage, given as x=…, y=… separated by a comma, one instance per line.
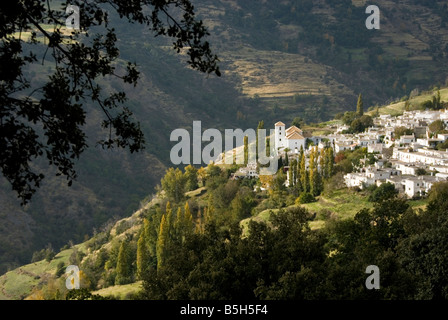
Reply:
x=46, y=120
x=360, y=106
x=174, y=184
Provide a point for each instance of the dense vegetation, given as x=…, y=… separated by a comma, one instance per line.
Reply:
x=194, y=245
x=285, y=259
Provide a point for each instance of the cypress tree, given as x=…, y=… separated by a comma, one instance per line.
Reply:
x=246, y=150
x=268, y=146
x=360, y=106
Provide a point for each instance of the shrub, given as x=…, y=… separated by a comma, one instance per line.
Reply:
x=383, y=192
x=305, y=197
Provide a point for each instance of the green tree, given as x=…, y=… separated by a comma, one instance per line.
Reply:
x=304, y=174
x=268, y=146
x=402, y=131
x=191, y=177
x=424, y=252
x=437, y=126
x=174, y=184
x=293, y=173
x=298, y=122
x=349, y=117
x=305, y=197
x=360, y=106
x=51, y=124
x=246, y=150
x=143, y=255
x=314, y=177
x=385, y=191
x=279, y=180
x=242, y=204
x=328, y=163
x=373, y=235
x=361, y=124
x=188, y=220
x=123, y=268
x=162, y=241
x=259, y=127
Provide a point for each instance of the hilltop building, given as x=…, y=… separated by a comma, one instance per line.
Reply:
x=291, y=138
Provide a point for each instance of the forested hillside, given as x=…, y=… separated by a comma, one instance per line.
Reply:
x=298, y=58
x=223, y=241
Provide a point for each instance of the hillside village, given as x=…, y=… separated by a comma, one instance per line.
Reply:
x=414, y=165
x=410, y=162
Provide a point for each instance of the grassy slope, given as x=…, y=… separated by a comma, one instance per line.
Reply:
x=120, y=292
x=19, y=283
x=397, y=108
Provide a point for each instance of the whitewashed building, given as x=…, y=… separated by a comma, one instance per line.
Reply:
x=291, y=138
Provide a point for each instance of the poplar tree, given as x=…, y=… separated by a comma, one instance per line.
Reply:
x=188, y=220
x=162, y=241
x=123, y=265
x=292, y=173
x=314, y=176
x=151, y=230
x=312, y=173
x=199, y=225
x=142, y=255
x=169, y=219
x=322, y=162
x=299, y=171
x=178, y=225
x=259, y=127
x=329, y=162
x=304, y=174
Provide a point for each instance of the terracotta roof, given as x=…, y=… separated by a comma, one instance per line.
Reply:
x=278, y=124
x=294, y=136
x=292, y=129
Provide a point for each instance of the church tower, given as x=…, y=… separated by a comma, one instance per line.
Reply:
x=280, y=135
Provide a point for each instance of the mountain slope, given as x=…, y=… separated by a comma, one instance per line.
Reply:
x=307, y=58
